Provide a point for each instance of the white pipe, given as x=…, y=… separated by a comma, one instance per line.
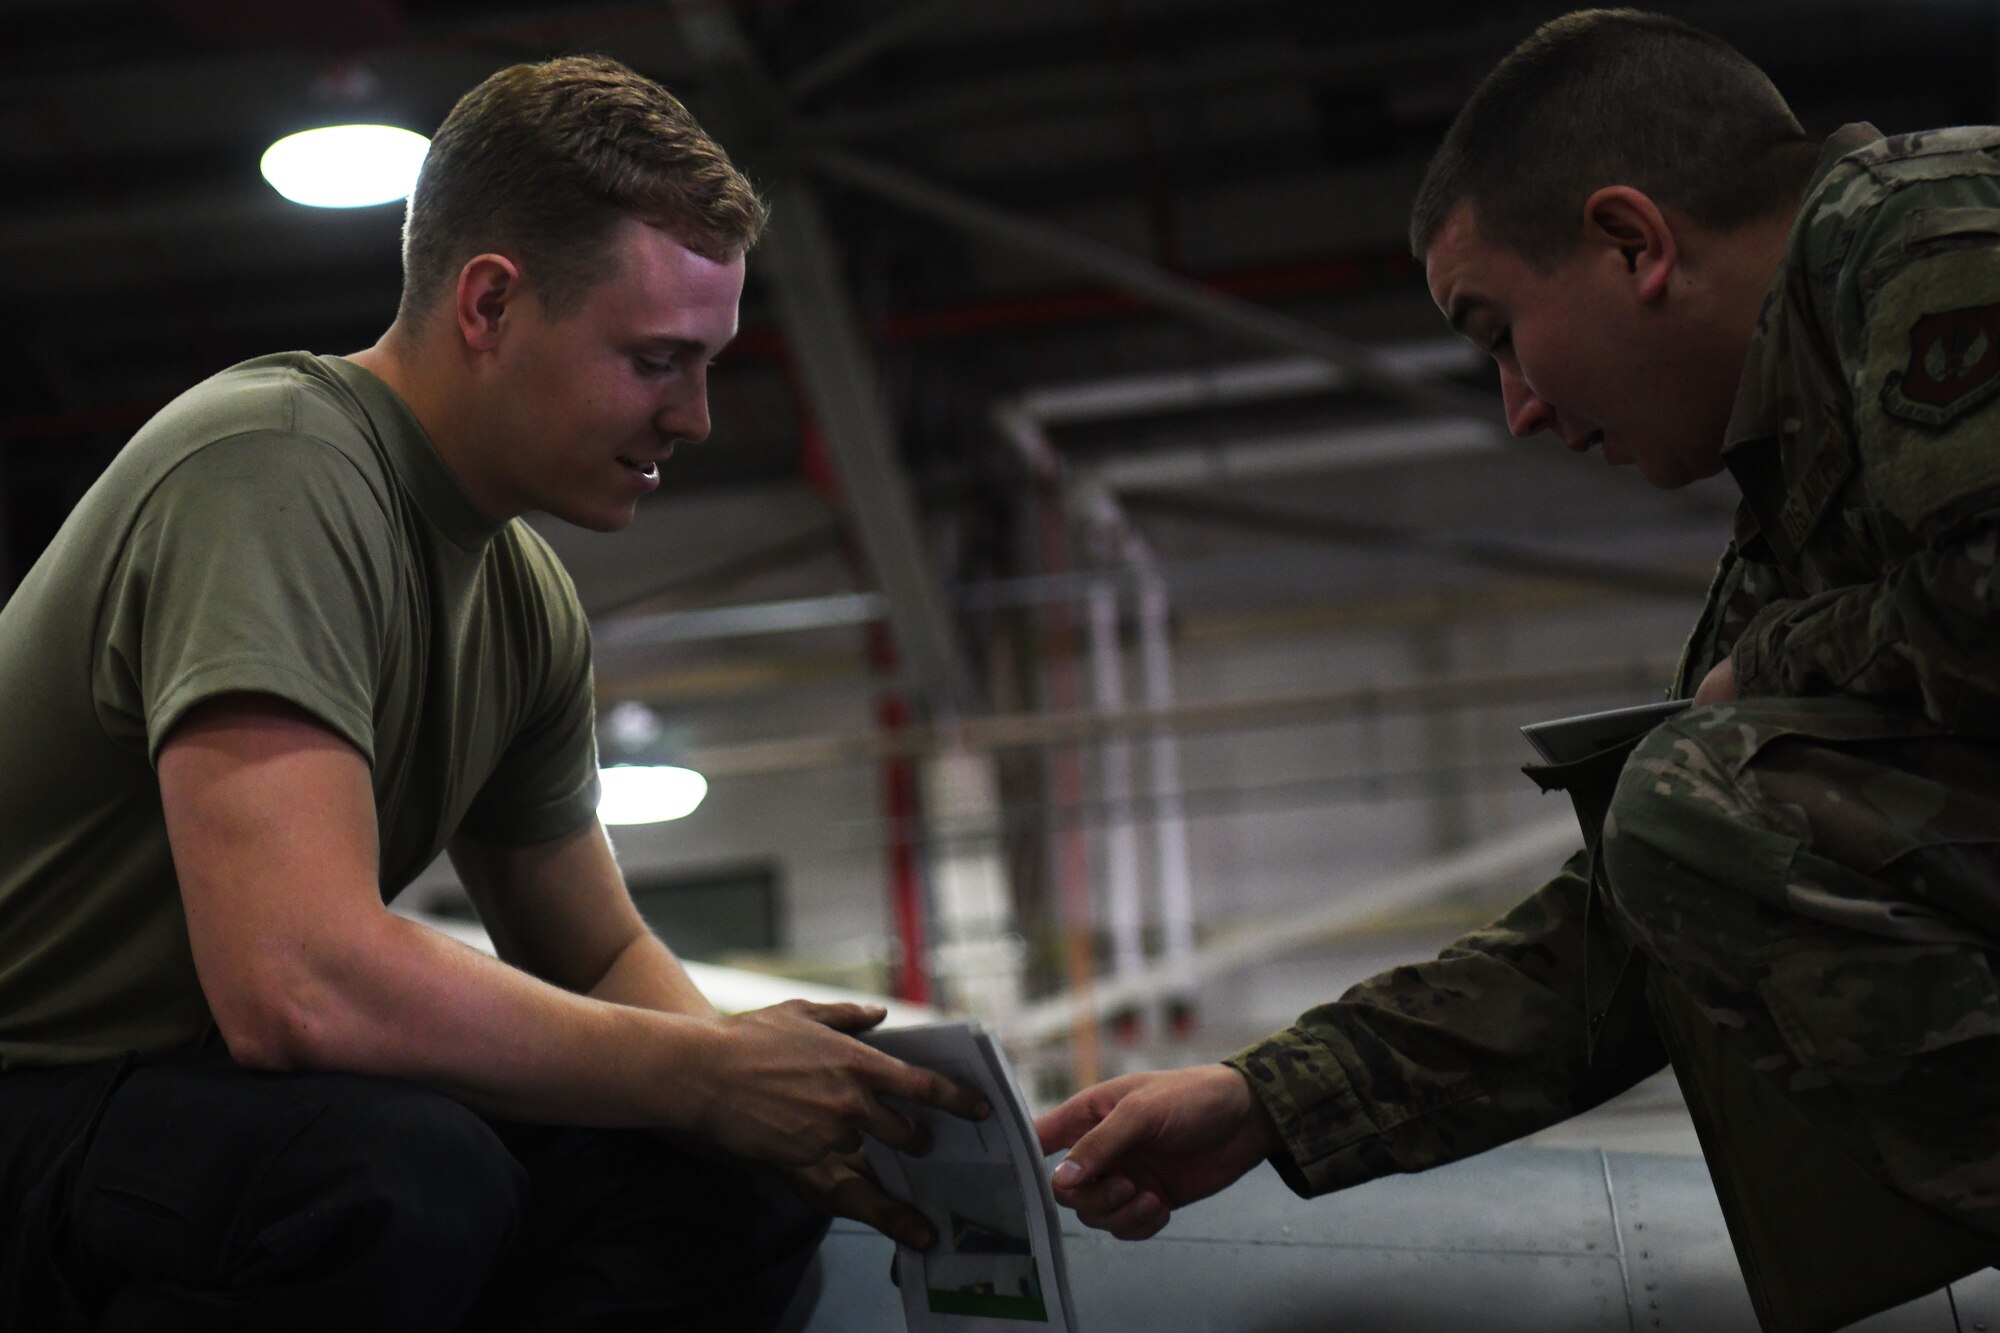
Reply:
x=1121, y=839
x=1170, y=839
x=979, y=953
x=1243, y=381
x=1029, y=440
x=1100, y=511
x=1093, y=500
x=1347, y=908
x=1292, y=455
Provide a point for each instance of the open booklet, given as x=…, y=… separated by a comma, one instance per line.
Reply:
x=1566, y=740
x=997, y=1266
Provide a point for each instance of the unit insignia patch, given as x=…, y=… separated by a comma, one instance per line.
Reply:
x=1954, y=367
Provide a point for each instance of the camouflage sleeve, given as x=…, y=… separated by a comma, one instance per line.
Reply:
x=1912, y=298
x=1925, y=637
x=1428, y=1063
x=1740, y=590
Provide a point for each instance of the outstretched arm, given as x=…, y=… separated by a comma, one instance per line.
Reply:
x=272, y=823
x=1146, y=1144
x=561, y=911
x=1513, y=1028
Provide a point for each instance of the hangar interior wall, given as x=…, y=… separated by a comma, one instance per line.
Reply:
x=1280, y=818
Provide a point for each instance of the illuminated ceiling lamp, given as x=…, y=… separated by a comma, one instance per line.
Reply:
x=345, y=165
x=636, y=791
x=648, y=793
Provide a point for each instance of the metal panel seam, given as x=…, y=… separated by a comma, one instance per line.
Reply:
x=1618, y=1235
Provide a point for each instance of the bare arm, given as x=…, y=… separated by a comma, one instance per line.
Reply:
x=560, y=911
x=272, y=823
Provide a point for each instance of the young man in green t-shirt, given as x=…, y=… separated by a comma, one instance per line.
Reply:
x=294, y=643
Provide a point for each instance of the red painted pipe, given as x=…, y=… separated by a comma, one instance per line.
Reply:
x=892, y=714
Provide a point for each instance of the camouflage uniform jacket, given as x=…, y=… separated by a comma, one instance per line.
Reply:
x=1863, y=440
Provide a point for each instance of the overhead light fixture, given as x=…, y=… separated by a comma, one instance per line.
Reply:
x=345, y=166
x=648, y=793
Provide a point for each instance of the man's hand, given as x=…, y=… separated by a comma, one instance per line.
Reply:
x=1719, y=685
x=845, y=1186
x=1146, y=1144
x=787, y=1085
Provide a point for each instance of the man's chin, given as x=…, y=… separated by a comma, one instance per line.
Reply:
x=1662, y=479
x=1669, y=470
x=597, y=520
x=1674, y=473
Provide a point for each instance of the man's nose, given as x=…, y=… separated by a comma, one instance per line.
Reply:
x=1526, y=412
x=687, y=417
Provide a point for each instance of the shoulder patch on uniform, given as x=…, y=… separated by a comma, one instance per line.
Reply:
x=1954, y=367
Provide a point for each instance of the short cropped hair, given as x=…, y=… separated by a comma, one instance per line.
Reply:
x=541, y=162
x=1613, y=97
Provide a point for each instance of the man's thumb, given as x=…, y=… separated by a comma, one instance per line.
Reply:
x=1070, y=1172
x=1096, y=1149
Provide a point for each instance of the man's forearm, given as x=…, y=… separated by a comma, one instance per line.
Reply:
x=1430, y=1062
x=407, y=1002
x=646, y=975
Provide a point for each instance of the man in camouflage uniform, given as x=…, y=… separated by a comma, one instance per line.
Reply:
x=1798, y=882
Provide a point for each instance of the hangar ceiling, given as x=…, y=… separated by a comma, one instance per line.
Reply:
x=1260, y=153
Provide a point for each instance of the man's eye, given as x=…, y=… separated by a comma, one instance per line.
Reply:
x=646, y=365
x=1501, y=342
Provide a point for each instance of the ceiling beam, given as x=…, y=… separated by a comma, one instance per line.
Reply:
x=797, y=262
x=836, y=64
x=1228, y=315
x=1081, y=85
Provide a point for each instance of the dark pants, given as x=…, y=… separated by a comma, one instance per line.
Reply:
x=1816, y=886
x=179, y=1191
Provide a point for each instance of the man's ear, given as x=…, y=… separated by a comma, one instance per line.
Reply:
x=488, y=288
x=1626, y=222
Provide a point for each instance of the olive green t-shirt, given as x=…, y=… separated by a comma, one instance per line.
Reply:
x=284, y=527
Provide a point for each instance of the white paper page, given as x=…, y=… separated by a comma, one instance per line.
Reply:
x=997, y=1265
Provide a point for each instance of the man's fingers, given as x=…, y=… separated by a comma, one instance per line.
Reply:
x=926, y=1088
x=864, y=1201
x=1099, y=1198
x=899, y=1222
x=899, y=1132
x=1066, y=1124
x=1139, y=1218
x=842, y=1017
x=1125, y=1126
